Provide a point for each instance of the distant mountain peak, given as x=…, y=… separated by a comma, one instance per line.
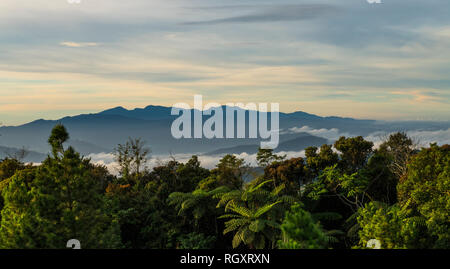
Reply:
x=149, y=112
x=115, y=109
x=155, y=107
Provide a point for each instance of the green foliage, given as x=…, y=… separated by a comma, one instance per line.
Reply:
x=132, y=158
x=396, y=194
x=199, y=204
x=425, y=192
x=264, y=157
x=132, y=208
x=393, y=226
x=290, y=173
x=191, y=173
x=317, y=162
x=383, y=223
x=57, y=201
x=350, y=189
x=399, y=148
x=196, y=241
x=301, y=231
x=382, y=182
x=251, y=227
x=254, y=214
x=58, y=136
x=421, y=218
x=146, y=217
x=230, y=172
x=355, y=152
x=8, y=167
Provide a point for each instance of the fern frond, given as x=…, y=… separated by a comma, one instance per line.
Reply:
x=237, y=239
x=233, y=224
x=260, y=185
x=264, y=209
x=243, y=211
x=278, y=189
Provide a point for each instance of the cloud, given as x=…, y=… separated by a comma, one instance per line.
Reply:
x=420, y=96
x=71, y=44
x=105, y=159
x=336, y=96
x=275, y=14
x=424, y=138
x=330, y=134
x=207, y=161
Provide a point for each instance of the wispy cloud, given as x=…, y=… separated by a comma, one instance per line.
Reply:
x=78, y=45
x=330, y=134
x=420, y=96
x=274, y=14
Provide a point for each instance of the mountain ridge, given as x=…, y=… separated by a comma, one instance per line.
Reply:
x=102, y=131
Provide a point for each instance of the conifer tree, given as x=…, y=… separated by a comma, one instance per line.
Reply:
x=46, y=206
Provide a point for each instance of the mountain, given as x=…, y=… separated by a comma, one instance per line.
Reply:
x=24, y=154
x=101, y=132
x=147, y=113
x=86, y=148
x=302, y=141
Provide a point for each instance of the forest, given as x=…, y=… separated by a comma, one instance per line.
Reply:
x=338, y=196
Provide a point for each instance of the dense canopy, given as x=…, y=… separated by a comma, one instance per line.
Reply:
x=337, y=196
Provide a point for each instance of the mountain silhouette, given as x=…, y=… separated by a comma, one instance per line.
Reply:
x=103, y=131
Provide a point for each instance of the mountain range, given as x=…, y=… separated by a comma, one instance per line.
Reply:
x=103, y=131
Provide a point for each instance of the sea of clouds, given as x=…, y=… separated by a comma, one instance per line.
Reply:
x=422, y=138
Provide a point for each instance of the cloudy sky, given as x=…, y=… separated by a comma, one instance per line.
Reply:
x=346, y=58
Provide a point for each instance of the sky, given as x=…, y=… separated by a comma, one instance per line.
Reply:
x=388, y=61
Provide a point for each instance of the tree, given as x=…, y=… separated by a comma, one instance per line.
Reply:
x=317, y=162
x=301, y=231
x=199, y=204
x=191, y=173
x=8, y=167
x=420, y=218
x=290, y=173
x=383, y=223
x=136, y=209
x=251, y=226
x=264, y=157
x=355, y=152
x=254, y=214
x=425, y=192
x=131, y=157
x=351, y=189
x=175, y=177
x=382, y=182
x=47, y=205
x=399, y=148
x=58, y=136
x=152, y=221
x=230, y=172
